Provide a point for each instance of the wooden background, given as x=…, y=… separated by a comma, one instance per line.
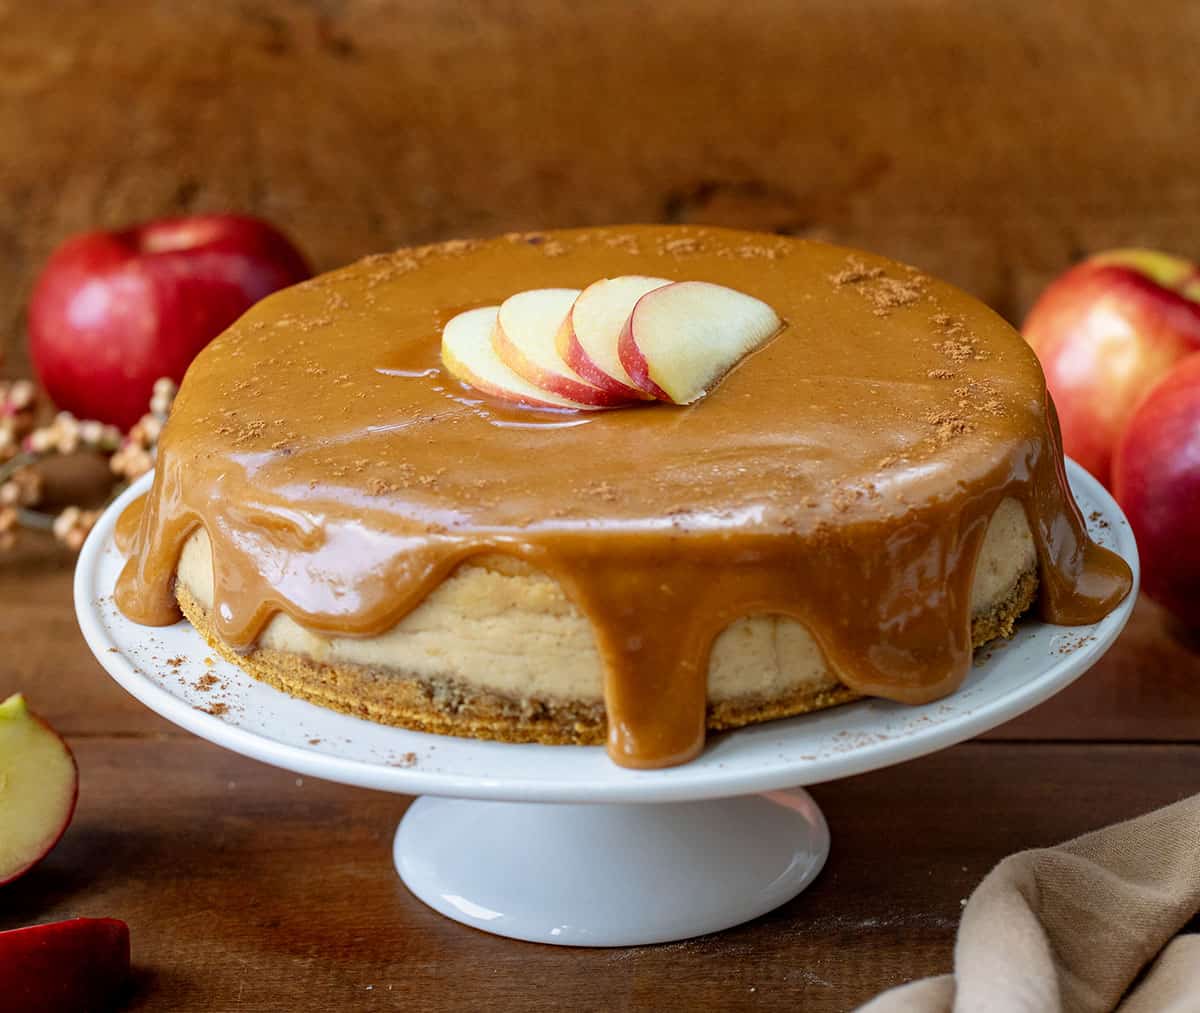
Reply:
x=992, y=143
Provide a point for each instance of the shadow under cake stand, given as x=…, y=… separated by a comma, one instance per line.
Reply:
x=556, y=844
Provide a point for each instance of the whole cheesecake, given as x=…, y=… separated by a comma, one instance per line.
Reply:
x=870, y=495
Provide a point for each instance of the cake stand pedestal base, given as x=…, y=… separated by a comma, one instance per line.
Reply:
x=610, y=875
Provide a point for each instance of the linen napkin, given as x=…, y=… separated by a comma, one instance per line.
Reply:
x=1073, y=927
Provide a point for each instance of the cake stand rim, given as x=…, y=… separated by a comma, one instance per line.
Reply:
x=612, y=783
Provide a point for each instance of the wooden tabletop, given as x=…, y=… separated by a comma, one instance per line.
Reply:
x=246, y=887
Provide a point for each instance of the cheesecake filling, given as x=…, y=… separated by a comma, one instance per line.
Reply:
x=844, y=476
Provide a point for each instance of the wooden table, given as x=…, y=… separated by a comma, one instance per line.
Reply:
x=249, y=888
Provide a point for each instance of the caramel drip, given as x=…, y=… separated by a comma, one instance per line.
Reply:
x=844, y=475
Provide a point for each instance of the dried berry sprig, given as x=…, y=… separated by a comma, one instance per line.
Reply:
x=67, y=435
x=23, y=445
x=135, y=456
x=72, y=525
x=18, y=401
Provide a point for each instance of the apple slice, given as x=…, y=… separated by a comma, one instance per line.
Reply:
x=468, y=353
x=587, y=340
x=683, y=338
x=64, y=967
x=38, y=786
x=524, y=338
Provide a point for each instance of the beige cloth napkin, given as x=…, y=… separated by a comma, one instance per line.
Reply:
x=1071, y=928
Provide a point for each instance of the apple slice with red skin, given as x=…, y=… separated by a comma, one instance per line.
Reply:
x=76, y=966
x=469, y=355
x=588, y=339
x=1105, y=332
x=39, y=783
x=681, y=339
x=1156, y=479
x=524, y=338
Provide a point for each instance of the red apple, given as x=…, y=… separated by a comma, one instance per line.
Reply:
x=524, y=338
x=114, y=311
x=1105, y=332
x=682, y=338
x=1156, y=479
x=588, y=338
x=76, y=966
x=39, y=783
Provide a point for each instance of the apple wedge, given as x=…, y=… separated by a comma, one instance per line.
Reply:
x=469, y=355
x=587, y=340
x=39, y=783
x=683, y=338
x=64, y=967
x=524, y=338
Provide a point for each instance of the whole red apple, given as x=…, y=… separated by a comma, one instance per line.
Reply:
x=1156, y=479
x=114, y=311
x=1105, y=332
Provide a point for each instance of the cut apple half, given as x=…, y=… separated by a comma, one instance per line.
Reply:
x=469, y=355
x=587, y=341
x=38, y=786
x=524, y=338
x=683, y=338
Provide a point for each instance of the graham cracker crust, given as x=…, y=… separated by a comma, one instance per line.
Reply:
x=446, y=707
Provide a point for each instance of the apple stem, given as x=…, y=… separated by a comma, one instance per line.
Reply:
x=16, y=463
x=128, y=456
x=35, y=519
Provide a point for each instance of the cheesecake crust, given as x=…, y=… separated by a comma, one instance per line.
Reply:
x=445, y=705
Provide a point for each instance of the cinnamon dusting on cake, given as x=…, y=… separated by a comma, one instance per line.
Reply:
x=625, y=243
x=385, y=267
x=682, y=247
x=854, y=272
x=532, y=238
x=948, y=424
x=753, y=251
x=450, y=248
x=381, y=487
x=980, y=395
x=884, y=293
x=603, y=491
x=959, y=345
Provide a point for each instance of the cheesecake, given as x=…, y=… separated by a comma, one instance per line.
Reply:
x=612, y=485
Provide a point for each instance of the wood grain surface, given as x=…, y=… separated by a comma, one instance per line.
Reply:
x=990, y=143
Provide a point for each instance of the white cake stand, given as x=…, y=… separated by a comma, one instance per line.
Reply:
x=510, y=838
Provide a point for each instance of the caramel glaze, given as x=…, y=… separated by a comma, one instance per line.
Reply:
x=844, y=475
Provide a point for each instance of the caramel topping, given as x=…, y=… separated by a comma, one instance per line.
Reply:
x=843, y=475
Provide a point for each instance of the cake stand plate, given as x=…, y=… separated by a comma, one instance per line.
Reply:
x=555, y=843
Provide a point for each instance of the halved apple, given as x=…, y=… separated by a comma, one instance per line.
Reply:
x=468, y=353
x=64, y=967
x=587, y=340
x=39, y=783
x=682, y=338
x=524, y=338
